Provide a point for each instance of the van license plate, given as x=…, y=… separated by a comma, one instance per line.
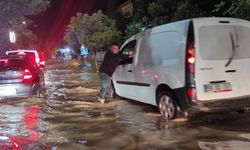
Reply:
x=218, y=87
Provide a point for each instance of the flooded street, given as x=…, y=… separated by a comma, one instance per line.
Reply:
x=68, y=119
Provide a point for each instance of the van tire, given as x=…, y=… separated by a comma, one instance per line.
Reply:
x=167, y=105
x=111, y=91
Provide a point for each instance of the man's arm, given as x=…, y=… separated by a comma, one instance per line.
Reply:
x=123, y=56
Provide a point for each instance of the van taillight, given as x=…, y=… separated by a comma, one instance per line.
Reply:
x=190, y=68
x=27, y=74
x=191, y=92
x=191, y=60
x=190, y=56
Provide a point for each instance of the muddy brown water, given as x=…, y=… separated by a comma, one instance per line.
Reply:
x=68, y=119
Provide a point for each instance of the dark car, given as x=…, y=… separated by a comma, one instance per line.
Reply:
x=33, y=54
x=19, y=76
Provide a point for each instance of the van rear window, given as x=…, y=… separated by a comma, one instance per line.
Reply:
x=216, y=42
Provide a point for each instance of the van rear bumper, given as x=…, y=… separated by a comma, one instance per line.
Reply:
x=228, y=104
x=220, y=105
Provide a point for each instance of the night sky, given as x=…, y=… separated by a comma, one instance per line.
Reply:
x=50, y=25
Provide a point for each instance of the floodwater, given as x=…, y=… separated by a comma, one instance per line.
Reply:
x=68, y=119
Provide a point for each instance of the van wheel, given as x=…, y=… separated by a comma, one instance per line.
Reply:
x=111, y=91
x=167, y=105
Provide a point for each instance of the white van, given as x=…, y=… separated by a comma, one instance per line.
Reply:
x=197, y=64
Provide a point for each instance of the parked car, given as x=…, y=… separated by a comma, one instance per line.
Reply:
x=33, y=54
x=19, y=77
x=199, y=64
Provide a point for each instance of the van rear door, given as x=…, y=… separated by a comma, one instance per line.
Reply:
x=222, y=58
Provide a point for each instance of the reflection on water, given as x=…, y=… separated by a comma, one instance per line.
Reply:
x=68, y=118
x=31, y=120
x=225, y=145
x=18, y=125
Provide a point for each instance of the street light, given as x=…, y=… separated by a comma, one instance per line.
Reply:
x=12, y=36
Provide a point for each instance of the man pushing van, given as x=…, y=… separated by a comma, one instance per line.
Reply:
x=108, y=66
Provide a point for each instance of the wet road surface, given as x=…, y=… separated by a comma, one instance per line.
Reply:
x=67, y=118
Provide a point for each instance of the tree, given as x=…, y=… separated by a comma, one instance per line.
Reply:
x=234, y=8
x=184, y=11
x=18, y=10
x=133, y=28
x=95, y=32
x=14, y=16
x=148, y=13
x=151, y=13
x=162, y=11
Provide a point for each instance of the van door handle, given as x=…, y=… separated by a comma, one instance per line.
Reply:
x=220, y=81
x=129, y=70
x=229, y=71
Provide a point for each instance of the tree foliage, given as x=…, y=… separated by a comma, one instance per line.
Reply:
x=133, y=28
x=16, y=10
x=156, y=12
x=14, y=16
x=95, y=31
x=234, y=8
x=164, y=11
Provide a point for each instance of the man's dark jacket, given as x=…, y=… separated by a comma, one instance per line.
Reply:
x=110, y=62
